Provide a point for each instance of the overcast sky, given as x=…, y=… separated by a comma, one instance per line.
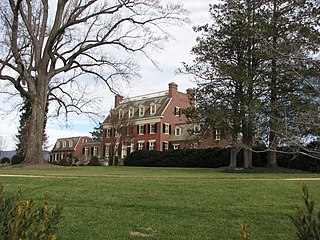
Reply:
x=152, y=80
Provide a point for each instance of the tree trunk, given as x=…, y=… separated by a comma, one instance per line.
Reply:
x=272, y=158
x=247, y=157
x=34, y=154
x=233, y=156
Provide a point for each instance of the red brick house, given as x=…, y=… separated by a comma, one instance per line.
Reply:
x=72, y=147
x=152, y=122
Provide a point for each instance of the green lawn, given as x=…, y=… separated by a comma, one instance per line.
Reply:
x=163, y=203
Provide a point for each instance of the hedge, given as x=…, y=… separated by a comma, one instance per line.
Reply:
x=217, y=157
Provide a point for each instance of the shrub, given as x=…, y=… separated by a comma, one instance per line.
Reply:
x=307, y=223
x=5, y=160
x=94, y=161
x=65, y=162
x=16, y=159
x=19, y=219
x=202, y=158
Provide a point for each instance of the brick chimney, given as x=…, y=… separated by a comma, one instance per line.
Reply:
x=173, y=89
x=117, y=100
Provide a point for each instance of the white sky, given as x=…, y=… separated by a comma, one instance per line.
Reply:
x=153, y=80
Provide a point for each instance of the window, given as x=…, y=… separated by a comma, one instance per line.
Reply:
x=140, y=145
x=107, y=151
x=151, y=144
x=131, y=112
x=86, y=153
x=176, y=146
x=141, y=111
x=166, y=128
x=177, y=111
x=120, y=113
x=84, y=140
x=196, y=129
x=95, y=151
x=218, y=135
x=153, y=109
x=58, y=144
x=64, y=144
x=141, y=129
x=108, y=132
x=177, y=131
x=70, y=143
x=165, y=146
x=194, y=145
x=153, y=128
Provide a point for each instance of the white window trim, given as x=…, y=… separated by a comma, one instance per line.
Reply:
x=177, y=130
x=121, y=113
x=176, y=146
x=108, y=133
x=166, y=145
x=151, y=143
x=153, y=109
x=152, y=132
x=141, y=127
x=141, y=113
x=131, y=112
x=177, y=111
x=107, y=150
x=140, y=145
x=196, y=129
x=218, y=135
x=167, y=126
x=70, y=143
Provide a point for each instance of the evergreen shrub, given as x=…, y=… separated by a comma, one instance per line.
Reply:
x=5, y=160
x=218, y=157
x=16, y=159
x=94, y=161
x=200, y=158
x=65, y=162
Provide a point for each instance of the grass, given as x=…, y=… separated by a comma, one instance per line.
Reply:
x=164, y=203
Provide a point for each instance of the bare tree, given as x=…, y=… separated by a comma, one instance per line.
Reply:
x=47, y=45
x=121, y=126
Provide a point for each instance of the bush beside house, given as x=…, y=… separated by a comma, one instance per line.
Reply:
x=217, y=157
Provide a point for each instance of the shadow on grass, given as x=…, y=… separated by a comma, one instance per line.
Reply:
x=261, y=170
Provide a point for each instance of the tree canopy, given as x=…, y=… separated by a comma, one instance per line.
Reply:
x=47, y=45
x=257, y=68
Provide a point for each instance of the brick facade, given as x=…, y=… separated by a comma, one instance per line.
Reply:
x=149, y=122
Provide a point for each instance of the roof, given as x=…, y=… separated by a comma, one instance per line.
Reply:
x=70, y=143
x=160, y=100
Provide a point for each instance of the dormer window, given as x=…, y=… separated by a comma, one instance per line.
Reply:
x=131, y=112
x=141, y=111
x=64, y=144
x=120, y=113
x=153, y=109
x=58, y=144
x=70, y=143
